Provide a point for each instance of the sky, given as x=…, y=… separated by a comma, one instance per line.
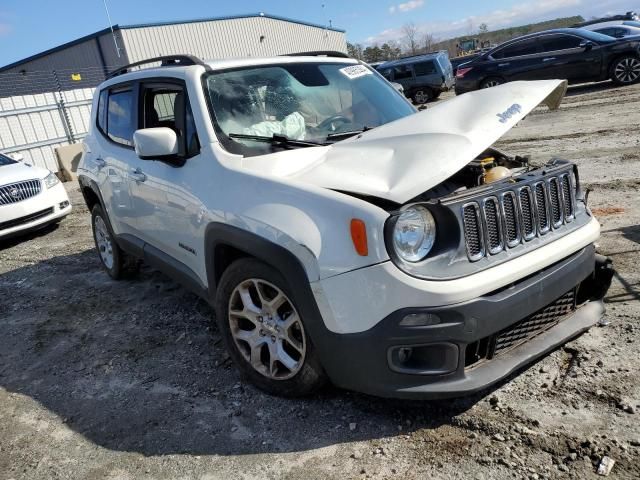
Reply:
x=32, y=26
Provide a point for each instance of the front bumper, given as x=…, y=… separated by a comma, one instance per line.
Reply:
x=368, y=361
x=47, y=207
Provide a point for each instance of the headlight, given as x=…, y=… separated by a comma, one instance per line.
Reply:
x=51, y=180
x=414, y=234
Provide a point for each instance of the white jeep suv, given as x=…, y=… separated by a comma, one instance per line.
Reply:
x=340, y=234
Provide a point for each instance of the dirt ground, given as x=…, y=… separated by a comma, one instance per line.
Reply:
x=129, y=380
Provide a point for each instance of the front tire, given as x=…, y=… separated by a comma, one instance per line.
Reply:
x=625, y=70
x=264, y=332
x=116, y=263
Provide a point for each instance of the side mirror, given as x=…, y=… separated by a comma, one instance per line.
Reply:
x=587, y=45
x=156, y=143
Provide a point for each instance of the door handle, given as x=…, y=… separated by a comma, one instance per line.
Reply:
x=504, y=64
x=137, y=175
x=548, y=59
x=100, y=163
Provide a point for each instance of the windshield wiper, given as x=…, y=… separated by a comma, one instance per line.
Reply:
x=277, y=140
x=350, y=133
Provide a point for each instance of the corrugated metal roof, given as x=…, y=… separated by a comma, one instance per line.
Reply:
x=233, y=17
x=151, y=25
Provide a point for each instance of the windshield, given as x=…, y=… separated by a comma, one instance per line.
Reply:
x=6, y=160
x=314, y=102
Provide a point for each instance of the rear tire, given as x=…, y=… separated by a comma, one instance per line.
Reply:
x=491, y=82
x=263, y=332
x=117, y=263
x=422, y=96
x=625, y=70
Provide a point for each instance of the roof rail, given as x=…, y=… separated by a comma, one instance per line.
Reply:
x=166, y=61
x=327, y=53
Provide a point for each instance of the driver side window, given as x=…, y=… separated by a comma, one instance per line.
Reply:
x=168, y=106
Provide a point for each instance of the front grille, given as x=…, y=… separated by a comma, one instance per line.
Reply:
x=522, y=331
x=492, y=224
x=26, y=219
x=17, y=192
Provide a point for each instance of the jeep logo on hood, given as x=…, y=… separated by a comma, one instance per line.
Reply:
x=510, y=112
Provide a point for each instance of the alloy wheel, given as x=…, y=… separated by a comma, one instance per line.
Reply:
x=628, y=70
x=267, y=329
x=491, y=83
x=103, y=239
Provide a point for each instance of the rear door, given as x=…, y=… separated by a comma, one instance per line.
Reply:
x=520, y=60
x=565, y=58
x=112, y=153
x=428, y=74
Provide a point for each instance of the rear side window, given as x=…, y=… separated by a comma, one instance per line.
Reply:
x=120, y=118
x=553, y=43
x=519, y=49
x=102, y=111
x=425, y=68
x=402, y=72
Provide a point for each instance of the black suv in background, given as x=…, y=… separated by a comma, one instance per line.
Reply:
x=577, y=55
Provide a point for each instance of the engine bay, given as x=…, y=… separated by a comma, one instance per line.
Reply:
x=491, y=166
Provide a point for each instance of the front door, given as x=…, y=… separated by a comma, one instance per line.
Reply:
x=167, y=212
x=565, y=58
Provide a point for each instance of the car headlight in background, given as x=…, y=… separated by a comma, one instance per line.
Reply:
x=414, y=234
x=51, y=180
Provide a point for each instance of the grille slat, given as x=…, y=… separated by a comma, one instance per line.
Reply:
x=527, y=212
x=492, y=222
x=472, y=230
x=554, y=200
x=542, y=208
x=17, y=192
x=567, y=197
x=510, y=215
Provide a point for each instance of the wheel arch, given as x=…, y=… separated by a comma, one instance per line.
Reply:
x=225, y=244
x=90, y=192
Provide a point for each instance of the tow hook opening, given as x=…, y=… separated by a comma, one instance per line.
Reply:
x=596, y=285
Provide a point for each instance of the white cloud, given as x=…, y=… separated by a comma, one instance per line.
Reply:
x=406, y=7
x=520, y=14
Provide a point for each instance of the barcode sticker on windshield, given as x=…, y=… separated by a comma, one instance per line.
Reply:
x=355, y=71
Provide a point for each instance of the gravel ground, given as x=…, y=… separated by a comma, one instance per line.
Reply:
x=129, y=380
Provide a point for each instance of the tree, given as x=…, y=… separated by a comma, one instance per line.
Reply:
x=354, y=50
x=483, y=28
x=411, y=37
x=427, y=42
x=372, y=54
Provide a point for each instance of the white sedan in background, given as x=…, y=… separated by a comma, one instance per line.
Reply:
x=30, y=198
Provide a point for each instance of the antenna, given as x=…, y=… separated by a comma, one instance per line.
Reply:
x=113, y=33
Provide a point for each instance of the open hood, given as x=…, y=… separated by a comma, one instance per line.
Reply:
x=402, y=159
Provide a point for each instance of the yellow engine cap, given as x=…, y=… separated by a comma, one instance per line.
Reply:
x=496, y=174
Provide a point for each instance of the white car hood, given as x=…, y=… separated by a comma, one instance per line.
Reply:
x=402, y=159
x=19, y=171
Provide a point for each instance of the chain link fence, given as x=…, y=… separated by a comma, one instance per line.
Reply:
x=43, y=110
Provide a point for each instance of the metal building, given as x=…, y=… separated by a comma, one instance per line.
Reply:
x=255, y=35
x=45, y=100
